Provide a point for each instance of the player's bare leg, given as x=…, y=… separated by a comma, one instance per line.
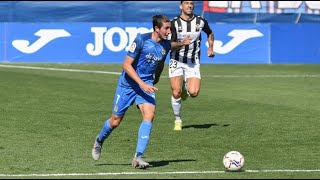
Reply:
x=144, y=132
x=193, y=86
x=176, y=83
x=108, y=126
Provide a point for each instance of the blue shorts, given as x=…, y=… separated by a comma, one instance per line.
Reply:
x=125, y=97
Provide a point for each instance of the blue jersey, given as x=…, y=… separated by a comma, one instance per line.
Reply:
x=147, y=54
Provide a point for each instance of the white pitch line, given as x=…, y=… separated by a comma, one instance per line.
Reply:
x=213, y=76
x=266, y=76
x=58, y=69
x=148, y=173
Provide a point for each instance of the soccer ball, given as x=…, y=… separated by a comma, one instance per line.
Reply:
x=233, y=161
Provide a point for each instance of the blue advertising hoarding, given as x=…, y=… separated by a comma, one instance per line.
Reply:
x=109, y=42
x=240, y=43
x=70, y=42
x=295, y=43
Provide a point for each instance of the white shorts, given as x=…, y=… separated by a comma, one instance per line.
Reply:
x=190, y=70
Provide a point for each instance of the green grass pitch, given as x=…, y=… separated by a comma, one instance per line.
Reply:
x=49, y=118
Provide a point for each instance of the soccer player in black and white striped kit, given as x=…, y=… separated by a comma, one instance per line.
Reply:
x=184, y=65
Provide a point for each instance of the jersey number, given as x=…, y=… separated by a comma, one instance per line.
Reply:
x=173, y=64
x=118, y=97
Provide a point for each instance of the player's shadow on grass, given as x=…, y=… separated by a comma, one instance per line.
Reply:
x=152, y=163
x=167, y=162
x=203, y=126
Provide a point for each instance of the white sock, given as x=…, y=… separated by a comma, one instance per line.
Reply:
x=176, y=106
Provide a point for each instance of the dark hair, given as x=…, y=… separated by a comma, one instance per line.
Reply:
x=181, y=2
x=158, y=20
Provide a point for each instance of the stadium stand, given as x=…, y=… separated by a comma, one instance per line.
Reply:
x=141, y=11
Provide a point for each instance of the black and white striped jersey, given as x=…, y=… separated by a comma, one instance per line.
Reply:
x=180, y=29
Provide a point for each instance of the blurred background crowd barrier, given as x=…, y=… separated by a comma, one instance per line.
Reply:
x=142, y=11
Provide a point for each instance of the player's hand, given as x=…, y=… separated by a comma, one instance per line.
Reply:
x=187, y=40
x=210, y=52
x=149, y=89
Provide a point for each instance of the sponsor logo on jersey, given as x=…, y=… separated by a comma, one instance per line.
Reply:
x=153, y=58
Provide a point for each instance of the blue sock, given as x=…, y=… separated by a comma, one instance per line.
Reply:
x=143, y=137
x=105, y=132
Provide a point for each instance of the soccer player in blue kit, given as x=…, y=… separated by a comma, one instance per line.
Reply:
x=142, y=68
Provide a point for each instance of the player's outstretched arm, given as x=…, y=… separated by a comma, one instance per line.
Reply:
x=178, y=45
x=210, y=42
